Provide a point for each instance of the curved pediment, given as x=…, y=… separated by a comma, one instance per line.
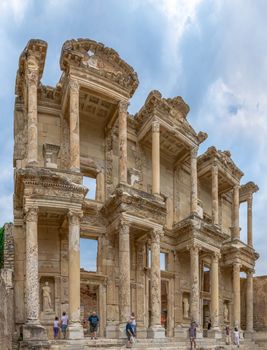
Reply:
x=100, y=60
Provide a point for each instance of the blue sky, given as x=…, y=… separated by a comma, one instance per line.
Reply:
x=212, y=53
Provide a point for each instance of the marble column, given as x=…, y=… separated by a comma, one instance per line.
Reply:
x=140, y=289
x=155, y=330
x=100, y=187
x=123, y=141
x=235, y=224
x=74, y=126
x=32, y=330
x=236, y=291
x=75, y=327
x=32, y=73
x=124, y=276
x=249, y=303
x=194, y=271
x=249, y=220
x=215, y=199
x=155, y=157
x=194, y=180
x=215, y=331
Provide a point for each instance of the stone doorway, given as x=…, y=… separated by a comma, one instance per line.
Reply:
x=164, y=304
x=89, y=303
x=205, y=316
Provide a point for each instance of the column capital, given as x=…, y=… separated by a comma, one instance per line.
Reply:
x=215, y=256
x=32, y=71
x=250, y=273
x=31, y=214
x=74, y=216
x=237, y=265
x=156, y=235
x=74, y=85
x=123, y=106
x=194, y=152
x=124, y=227
x=155, y=126
x=194, y=248
x=214, y=168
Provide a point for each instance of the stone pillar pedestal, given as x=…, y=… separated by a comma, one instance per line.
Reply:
x=194, y=181
x=155, y=330
x=155, y=158
x=32, y=330
x=124, y=278
x=249, y=306
x=75, y=328
x=74, y=126
x=123, y=142
x=236, y=300
x=215, y=332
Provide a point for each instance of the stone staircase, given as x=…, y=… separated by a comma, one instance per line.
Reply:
x=149, y=344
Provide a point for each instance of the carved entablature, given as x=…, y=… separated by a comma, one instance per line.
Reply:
x=228, y=173
x=239, y=252
x=31, y=60
x=134, y=202
x=49, y=96
x=171, y=115
x=45, y=184
x=246, y=191
x=99, y=60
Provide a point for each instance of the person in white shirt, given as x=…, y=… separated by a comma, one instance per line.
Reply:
x=236, y=337
x=56, y=327
x=64, y=324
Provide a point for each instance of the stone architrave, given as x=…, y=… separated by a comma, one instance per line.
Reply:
x=74, y=126
x=75, y=327
x=155, y=330
x=32, y=330
x=124, y=277
x=236, y=290
x=32, y=73
x=194, y=195
x=155, y=157
x=123, y=105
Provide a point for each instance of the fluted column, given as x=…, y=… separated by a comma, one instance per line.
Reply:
x=194, y=180
x=155, y=330
x=249, y=302
x=32, y=279
x=215, y=200
x=236, y=291
x=32, y=73
x=194, y=271
x=215, y=290
x=123, y=142
x=249, y=220
x=74, y=126
x=75, y=328
x=155, y=157
x=124, y=271
x=235, y=225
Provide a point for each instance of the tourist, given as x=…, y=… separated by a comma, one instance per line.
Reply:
x=130, y=334
x=93, y=322
x=209, y=324
x=56, y=328
x=133, y=321
x=236, y=337
x=227, y=335
x=64, y=324
x=192, y=335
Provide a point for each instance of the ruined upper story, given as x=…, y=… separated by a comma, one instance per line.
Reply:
x=81, y=128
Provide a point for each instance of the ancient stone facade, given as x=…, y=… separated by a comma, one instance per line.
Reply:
x=156, y=199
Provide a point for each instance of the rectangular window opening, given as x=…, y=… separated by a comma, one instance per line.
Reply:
x=88, y=254
x=206, y=279
x=163, y=261
x=90, y=183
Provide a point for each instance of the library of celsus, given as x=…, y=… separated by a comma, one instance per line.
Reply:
x=165, y=218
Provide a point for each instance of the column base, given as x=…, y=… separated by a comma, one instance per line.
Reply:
x=141, y=332
x=215, y=333
x=249, y=335
x=34, y=332
x=75, y=331
x=111, y=331
x=156, y=332
x=181, y=332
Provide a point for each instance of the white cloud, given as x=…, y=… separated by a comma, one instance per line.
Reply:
x=14, y=9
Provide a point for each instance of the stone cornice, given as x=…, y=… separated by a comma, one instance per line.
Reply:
x=247, y=190
x=100, y=60
x=36, y=48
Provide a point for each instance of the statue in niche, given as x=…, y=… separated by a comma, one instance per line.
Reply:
x=225, y=312
x=47, y=305
x=186, y=307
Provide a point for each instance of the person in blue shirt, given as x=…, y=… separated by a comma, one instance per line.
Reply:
x=93, y=322
x=129, y=333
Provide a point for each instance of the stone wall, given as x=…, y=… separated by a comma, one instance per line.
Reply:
x=259, y=303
